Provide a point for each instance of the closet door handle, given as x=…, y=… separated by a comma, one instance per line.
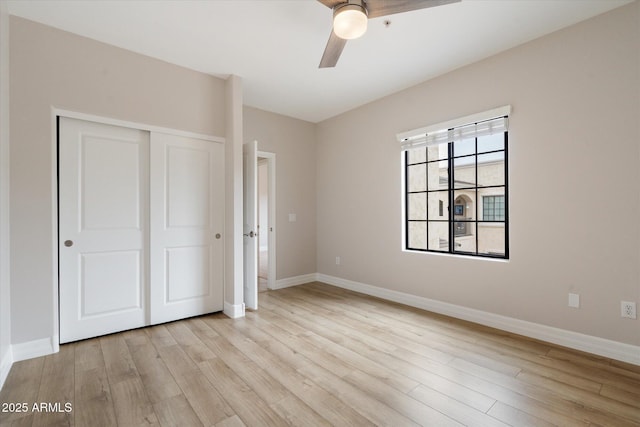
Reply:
x=68, y=243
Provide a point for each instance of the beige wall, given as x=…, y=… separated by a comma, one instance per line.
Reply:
x=294, y=143
x=52, y=68
x=5, y=300
x=574, y=135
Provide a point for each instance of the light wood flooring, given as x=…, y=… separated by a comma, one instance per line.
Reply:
x=317, y=355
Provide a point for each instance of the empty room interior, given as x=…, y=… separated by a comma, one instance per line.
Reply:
x=332, y=212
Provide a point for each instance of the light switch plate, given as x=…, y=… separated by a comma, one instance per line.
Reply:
x=574, y=300
x=293, y=217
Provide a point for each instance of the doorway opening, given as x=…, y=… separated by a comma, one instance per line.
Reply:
x=266, y=221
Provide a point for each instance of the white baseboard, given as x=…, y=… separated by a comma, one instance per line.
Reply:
x=234, y=310
x=5, y=366
x=36, y=348
x=595, y=345
x=295, y=281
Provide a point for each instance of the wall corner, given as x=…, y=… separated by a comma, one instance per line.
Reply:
x=233, y=282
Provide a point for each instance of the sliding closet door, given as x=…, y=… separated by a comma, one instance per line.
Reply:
x=187, y=219
x=103, y=213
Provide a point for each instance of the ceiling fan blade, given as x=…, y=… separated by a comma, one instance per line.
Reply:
x=331, y=3
x=332, y=51
x=377, y=8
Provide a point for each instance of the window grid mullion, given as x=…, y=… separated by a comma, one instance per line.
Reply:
x=406, y=198
x=477, y=197
x=426, y=195
x=450, y=185
x=506, y=195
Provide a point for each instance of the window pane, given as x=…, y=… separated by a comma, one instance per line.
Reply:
x=464, y=204
x=439, y=236
x=435, y=199
x=417, y=235
x=491, y=238
x=491, y=143
x=491, y=169
x=417, y=177
x=417, y=155
x=438, y=152
x=464, y=147
x=464, y=237
x=464, y=172
x=438, y=175
x=417, y=209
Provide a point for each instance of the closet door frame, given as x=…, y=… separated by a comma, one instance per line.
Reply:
x=54, y=345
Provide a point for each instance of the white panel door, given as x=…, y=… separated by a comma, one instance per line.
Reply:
x=250, y=223
x=102, y=228
x=186, y=221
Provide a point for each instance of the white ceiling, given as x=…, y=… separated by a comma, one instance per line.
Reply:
x=276, y=45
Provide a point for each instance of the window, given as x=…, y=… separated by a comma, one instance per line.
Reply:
x=493, y=208
x=455, y=182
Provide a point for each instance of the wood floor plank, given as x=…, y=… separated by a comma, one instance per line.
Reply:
x=206, y=401
x=57, y=390
x=233, y=421
x=631, y=398
x=156, y=377
x=296, y=413
x=93, y=402
x=21, y=386
x=132, y=407
x=130, y=400
x=238, y=393
x=454, y=409
x=176, y=412
x=190, y=343
x=317, y=355
x=117, y=359
x=515, y=417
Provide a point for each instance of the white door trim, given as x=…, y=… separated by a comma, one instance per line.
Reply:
x=271, y=178
x=59, y=112
x=250, y=224
x=134, y=125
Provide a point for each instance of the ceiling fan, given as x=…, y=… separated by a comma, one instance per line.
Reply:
x=350, y=20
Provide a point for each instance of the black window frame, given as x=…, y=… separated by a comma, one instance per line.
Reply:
x=451, y=190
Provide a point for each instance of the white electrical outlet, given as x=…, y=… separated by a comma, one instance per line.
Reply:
x=337, y=260
x=628, y=309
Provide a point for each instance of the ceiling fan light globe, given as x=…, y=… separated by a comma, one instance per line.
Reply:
x=350, y=22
